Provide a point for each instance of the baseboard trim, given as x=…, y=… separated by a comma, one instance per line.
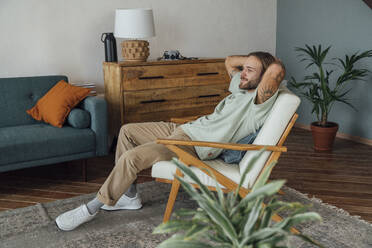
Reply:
x=358, y=139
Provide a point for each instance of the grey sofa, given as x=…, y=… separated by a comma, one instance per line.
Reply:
x=25, y=142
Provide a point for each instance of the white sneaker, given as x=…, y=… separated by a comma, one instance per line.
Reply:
x=125, y=202
x=70, y=220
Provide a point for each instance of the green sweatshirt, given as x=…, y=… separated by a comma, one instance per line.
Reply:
x=234, y=118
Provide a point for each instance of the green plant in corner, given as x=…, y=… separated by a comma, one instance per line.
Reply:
x=232, y=221
x=317, y=88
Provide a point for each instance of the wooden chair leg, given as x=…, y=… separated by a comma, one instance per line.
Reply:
x=171, y=199
x=84, y=170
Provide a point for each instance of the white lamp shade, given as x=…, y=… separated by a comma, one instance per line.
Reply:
x=134, y=23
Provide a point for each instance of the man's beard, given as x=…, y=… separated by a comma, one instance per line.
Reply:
x=250, y=85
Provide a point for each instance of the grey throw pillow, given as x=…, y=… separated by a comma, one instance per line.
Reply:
x=234, y=156
x=79, y=118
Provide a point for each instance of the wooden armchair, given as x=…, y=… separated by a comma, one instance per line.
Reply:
x=271, y=136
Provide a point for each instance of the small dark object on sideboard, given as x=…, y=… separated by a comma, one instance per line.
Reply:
x=174, y=55
x=110, y=47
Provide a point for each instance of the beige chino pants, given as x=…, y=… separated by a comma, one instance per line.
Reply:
x=137, y=150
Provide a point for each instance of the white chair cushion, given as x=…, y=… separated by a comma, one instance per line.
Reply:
x=166, y=170
x=281, y=113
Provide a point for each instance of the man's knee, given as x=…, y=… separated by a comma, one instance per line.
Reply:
x=132, y=159
x=126, y=130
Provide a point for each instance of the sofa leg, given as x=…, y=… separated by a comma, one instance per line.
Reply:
x=84, y=170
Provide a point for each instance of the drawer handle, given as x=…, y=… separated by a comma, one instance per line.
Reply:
x=151, y=101
x=207, y=73
x=209, y=95
x=154, y=77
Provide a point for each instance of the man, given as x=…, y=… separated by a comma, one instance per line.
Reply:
x=254, y=86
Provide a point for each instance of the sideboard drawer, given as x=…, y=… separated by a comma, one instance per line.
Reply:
x=157, y=77
x=146, y=101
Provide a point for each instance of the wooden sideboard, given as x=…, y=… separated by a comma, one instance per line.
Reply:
x=160, y=90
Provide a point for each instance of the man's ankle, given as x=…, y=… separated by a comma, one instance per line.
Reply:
x=132, y=191
x=94, y=205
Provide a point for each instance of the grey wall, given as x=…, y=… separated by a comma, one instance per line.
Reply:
x=347, y=26
x=41, y=37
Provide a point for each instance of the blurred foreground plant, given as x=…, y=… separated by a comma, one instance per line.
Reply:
x=232, y=221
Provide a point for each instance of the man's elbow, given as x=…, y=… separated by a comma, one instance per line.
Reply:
x=228, y=61
x=277, y=70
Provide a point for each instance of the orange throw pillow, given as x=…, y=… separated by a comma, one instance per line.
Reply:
x=57, y=103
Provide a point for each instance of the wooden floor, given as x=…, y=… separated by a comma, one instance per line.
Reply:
x=342, y=177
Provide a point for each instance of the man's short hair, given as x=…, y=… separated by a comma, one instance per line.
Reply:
x=265, y=58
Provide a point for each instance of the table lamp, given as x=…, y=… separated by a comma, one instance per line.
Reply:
x=134, y=24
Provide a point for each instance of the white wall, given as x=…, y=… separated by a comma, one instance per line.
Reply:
x=44, y=37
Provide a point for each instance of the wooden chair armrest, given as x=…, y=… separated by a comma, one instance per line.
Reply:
x=231, y=146
x=183, y=120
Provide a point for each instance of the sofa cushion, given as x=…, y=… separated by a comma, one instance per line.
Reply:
x=40, y=141
x=78, y=118
x=166, y=170
x=19, y=94
x=56, y=104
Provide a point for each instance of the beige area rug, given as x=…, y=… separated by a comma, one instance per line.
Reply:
x=34, y=226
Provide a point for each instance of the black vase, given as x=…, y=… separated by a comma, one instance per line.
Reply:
x=110, y=47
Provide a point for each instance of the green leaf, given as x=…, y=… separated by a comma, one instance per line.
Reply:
x=347, y=103
x=187, y=171
x=267, y=215
x=252, y=219
x=324, y=53
x=298, y=218
x=263, y=234
x=220, y=194
x=264, y=176
x=196, y=231
x=230, y=199
x=185, y=212
x=181, y=243
x=173, y=226
x=218, y=238
x=266, y=190
x=219, y=218
x=248, y=169
x=273, y=241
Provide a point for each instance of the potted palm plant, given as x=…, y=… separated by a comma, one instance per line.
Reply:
x=233, y=221
x=318, y=89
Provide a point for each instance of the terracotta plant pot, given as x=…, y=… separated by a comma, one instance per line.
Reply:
x=324, y=136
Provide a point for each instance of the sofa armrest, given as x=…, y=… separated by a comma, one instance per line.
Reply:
x=97, y=107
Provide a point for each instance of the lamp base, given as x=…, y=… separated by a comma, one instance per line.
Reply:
x=135, y=50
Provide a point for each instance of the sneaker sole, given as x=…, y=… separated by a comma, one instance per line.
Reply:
x=67, y=229
x=121, y=208
x=62, y=228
